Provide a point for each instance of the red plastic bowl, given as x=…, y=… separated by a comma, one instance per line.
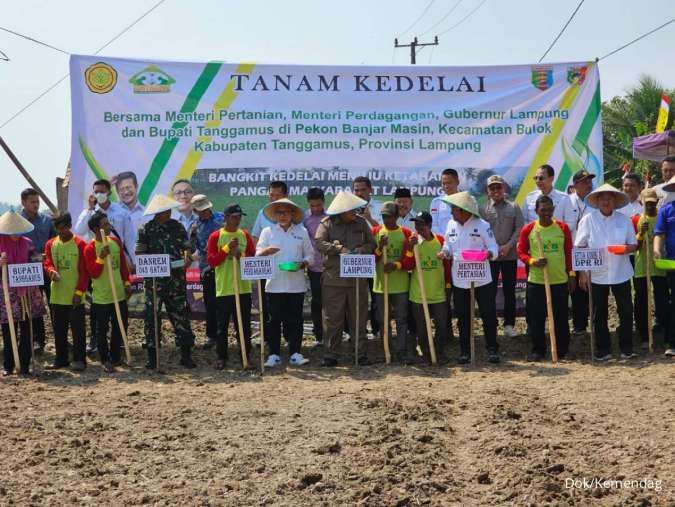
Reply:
x=617, y=249
x=475, y=255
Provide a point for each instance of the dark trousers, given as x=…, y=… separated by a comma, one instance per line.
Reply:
x=659, y=291
x=317, y=309
x=23, y=336
x=210, y=306
x=670, y=334
x=285, y=312
x=508, y=271
x=579, y=309
x=65, y=317
x=227, y=310
x=439, y=314
x=536, y=309
x=624, y=307
x=372, y=313
x=487, y=311
x=105, y=318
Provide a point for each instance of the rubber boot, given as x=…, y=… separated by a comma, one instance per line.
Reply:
x=186, y=357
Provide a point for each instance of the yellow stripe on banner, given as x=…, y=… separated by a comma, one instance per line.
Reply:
x=224, y=101
x=548, y=143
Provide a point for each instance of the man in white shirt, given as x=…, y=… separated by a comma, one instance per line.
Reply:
x=118, y=217
x=667, y=172
x=440, y=210
x=275, y=191
x=183, y=192
x=631, y=186
x=467, y=231
x=289, y=243
x=126, y=185
x=601, y=228
x=403, y=199
x=544, y=180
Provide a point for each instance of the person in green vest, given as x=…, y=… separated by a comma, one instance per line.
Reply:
x=436, y=274
x=556, y=241
x=396, y=240
x=65, y=267
x=644, y=227
x=103, y=303
x=224, y=245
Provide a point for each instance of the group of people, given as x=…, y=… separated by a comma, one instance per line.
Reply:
x=99, y=252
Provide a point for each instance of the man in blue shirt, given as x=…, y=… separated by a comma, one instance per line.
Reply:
x=664, y=235
x=42, y=232
x=209, y=221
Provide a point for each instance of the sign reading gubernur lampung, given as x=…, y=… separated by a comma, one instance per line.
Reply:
x=233, y=128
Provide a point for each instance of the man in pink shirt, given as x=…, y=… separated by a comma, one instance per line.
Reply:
x=313, y=216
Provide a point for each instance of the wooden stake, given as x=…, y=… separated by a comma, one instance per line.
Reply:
x=155, y=313
x=425, y=304
x=650, y=296
x=118, y=313
x=590, y=313
x=472, y=335
x=261, y=321
x=385, y=331
x=357, y=326
x=237, y=302
x=10, y=317
x=549, y=304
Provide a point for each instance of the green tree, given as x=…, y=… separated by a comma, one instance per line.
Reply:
x=626, y=117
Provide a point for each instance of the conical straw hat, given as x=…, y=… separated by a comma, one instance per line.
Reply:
x=620, y=199
x=343, y=202
x=271, y=209
x=463, y=200
x=669, y=186
x=159, y=203
x=11, y=223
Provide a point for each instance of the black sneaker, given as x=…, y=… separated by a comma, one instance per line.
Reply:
x=329, y=362
x=493, y=356
x=464, y=359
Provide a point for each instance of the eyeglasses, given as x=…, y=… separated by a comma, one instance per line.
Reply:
x=183, y=192
x=283, y=212
x=540, y=178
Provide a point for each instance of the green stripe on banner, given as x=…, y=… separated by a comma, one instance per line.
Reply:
x=166, y=150
x=581, y=139
x=95, y=167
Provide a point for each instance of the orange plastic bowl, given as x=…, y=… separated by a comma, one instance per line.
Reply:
x=617, y=249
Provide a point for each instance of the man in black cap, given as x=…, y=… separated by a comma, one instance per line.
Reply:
x=403, y=199
x=583, y=184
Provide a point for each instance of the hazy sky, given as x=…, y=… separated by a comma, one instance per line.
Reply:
x=300, y=31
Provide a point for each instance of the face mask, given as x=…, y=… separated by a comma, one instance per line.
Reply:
x=101, y=197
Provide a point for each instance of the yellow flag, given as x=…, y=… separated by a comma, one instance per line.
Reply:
x=664, y=109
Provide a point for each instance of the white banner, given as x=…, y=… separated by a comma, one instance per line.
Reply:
x=257, y=268
x=230, y=129
x=29, y=274
x=357, y=266
x=153, y=266
x=588, y=259
x=472, y=271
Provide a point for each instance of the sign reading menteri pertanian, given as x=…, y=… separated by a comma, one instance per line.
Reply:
x=257, y=268
x=357, y=266
x=473, y=271
x=29, y=274
x=153, y=266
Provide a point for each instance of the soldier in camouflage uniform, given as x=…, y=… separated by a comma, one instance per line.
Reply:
x=164, y=235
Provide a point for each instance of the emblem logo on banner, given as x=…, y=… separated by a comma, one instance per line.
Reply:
x=542, y=77
x=100, y=77
x=576, y=75
x=152, y=79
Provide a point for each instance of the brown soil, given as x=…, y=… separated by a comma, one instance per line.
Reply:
x=377, y=435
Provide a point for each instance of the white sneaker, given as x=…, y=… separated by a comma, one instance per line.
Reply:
x=632, y=355
x=509, y=332
x=297, y=359
x=272, y=361
x=604, y=358
x=670, y=352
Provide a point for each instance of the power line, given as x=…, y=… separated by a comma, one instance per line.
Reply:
x=426, y=9
x=126, y=29
x=36, y=41
x=464, y=18
x=637, y=39
x=561, y=31
x=452, y=9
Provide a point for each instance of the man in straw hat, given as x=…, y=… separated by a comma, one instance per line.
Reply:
x=224, y=245
x=644, y=228
x=15, y=249
x=288, y=241
x=343, y=232
x=103, y=303
x=664, y=248
x=604, y=227
x=467, y=231
x=209, y=222
x=164, y=235
x=65, y=267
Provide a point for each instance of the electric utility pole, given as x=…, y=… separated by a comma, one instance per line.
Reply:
x=413, y=47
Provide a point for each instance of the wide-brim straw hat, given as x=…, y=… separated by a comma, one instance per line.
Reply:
x=160, y=203
x=620, y=199
x=463, y=200
x=200, y=202
x=343, y=202
x=11, y=223
x=271, y=209
x=669, y=186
